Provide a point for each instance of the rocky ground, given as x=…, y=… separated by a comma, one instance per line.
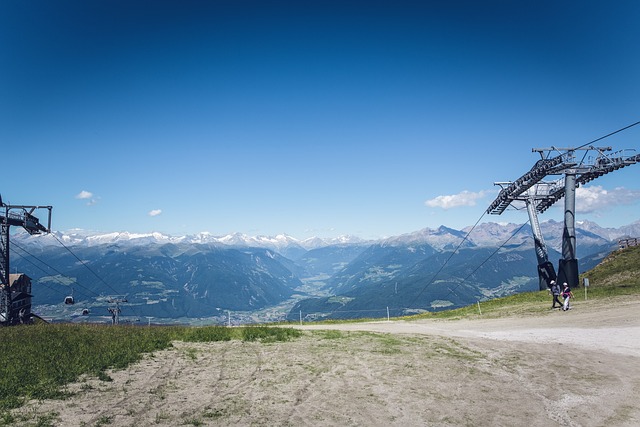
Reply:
x=575, y=368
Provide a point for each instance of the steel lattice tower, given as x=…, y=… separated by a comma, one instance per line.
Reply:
x=539, y=195
x=21, y=216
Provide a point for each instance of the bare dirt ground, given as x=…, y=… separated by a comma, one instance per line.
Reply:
x=575, y=368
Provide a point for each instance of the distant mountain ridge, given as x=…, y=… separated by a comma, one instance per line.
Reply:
x=418, y=271
x=484, y=234
x=278, y=242
x=183, y=277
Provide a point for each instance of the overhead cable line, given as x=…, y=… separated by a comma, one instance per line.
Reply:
x=610, y=134
x=450, y=256
x=488, y=258
x=94, y=273
x=84, y=263
x=75, y=282
x=444, y=265
x=41, y=269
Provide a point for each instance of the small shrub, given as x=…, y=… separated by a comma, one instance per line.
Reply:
x=191, y=353
x=104, y=420
x=162, y=416
x=102, y=376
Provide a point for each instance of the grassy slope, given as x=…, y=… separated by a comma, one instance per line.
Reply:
x=619, y=269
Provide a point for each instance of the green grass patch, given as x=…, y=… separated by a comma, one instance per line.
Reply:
x=37, y=360
x=330, y=334
x=388, y=344
x=268, y=334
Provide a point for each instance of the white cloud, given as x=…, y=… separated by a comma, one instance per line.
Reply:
x=596, y=198
x=155, y=212
x=87, y=195
x=84, y=195
x=464, y=198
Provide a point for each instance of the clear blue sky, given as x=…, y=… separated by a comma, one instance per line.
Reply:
x=308, y=117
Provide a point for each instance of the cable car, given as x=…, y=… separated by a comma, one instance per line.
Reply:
x=69, y=299
x=85, y=312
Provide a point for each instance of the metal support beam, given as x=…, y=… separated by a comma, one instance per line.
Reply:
x=546, y=273
x=5, y=289
x=569, y=232
x=568, y=268
x=538, y=239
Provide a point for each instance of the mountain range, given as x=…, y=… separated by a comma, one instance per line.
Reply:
x=243, y=278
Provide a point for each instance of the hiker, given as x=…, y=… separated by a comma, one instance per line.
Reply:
x=567, y=295
x=555, y=290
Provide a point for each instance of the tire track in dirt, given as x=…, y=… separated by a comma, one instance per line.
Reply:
x=299, y=366
x=167, y=388
x=351, y=378
x=231, y=360
x=146, y=394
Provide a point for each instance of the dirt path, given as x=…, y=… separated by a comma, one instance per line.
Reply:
x=592, y=325
x=579, y=368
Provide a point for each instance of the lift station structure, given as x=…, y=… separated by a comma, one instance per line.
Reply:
x=20, y=216
x=575, y=166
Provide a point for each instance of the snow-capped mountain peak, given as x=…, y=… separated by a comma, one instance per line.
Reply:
x=485, y=234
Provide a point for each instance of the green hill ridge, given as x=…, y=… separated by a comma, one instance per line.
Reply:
x=620, y=268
